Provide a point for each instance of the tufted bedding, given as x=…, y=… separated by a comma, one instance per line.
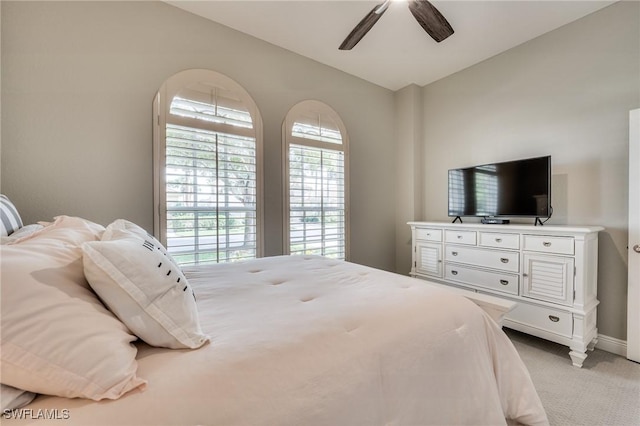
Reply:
x=304, y=340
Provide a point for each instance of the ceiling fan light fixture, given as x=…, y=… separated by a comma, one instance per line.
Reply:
x=429, y=18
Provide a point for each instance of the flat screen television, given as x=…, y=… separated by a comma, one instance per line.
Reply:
x=508, y=189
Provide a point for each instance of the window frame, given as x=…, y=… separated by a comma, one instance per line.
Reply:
x=161, y=106
x=323, y=110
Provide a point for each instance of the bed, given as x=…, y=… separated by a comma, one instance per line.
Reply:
x=285, y=340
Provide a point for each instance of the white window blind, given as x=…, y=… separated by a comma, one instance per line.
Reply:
x=309, y=128
x=211, y=196
x=316, y=201
x=316, y=170
x=210, y=175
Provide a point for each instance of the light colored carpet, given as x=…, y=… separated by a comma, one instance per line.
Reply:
x=605, y=391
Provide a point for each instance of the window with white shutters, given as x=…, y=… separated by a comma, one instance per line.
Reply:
x=316, y=202
x=207, y=166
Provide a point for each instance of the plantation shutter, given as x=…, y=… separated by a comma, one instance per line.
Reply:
x=316, y=201
x=210, y=177
x=316, y=185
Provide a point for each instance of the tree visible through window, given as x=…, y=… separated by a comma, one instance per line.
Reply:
x=316, y=170
x=207, y=169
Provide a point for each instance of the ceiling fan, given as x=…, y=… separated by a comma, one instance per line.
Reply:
x=429, y=18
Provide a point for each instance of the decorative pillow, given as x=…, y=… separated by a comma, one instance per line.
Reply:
x=143, y=286
x=57, y=337
x=10, y=220
x=12, y=398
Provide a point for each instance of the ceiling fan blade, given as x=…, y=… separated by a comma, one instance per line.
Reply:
x=364, y=26
x=430, y=19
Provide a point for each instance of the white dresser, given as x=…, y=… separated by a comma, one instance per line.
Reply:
x=550, y=271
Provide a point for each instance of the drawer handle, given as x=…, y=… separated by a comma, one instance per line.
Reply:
x=554, y=318
x=454, y=272
x=498, y=240
x=504, y=282
x=459, y=237
x=454, y=253
x=546, y=244
x=504, y=260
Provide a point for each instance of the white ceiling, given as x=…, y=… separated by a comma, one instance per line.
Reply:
x=397, y=51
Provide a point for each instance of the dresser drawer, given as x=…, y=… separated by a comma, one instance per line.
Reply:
x=494, y=239
x=542, y=318
x=507, y=283
x=495, y=259
x=460, y=237
x=428, y=234
x=546, y=244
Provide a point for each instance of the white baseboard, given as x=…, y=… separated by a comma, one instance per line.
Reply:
x=611, y=344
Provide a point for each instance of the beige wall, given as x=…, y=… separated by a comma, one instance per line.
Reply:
x=78, y=79
x=408, y=196
x=568, y=94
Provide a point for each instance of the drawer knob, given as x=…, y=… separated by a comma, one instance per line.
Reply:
x=454, y=272
x=546, y=244
x=554, y=318
x=454, y=253
x=498, y=240
x=504, y=260
x=504, y=282
x=459, y=237
x=525, y=275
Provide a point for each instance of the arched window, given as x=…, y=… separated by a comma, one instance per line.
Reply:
x=207, y=169
x=316, y=219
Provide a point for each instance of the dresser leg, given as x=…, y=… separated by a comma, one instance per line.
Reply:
x=577, y=358
x=591, y=346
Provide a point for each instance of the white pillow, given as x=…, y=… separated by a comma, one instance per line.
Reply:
x=57, y=337
x=143, y=286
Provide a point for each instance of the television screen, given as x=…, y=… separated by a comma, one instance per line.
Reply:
x=512, y=188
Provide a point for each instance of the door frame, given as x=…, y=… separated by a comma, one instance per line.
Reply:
x=633, y=294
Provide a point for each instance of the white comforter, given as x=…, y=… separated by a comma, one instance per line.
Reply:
x=312, y=341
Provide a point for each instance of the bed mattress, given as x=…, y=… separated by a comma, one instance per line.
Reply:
x=306, y=340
